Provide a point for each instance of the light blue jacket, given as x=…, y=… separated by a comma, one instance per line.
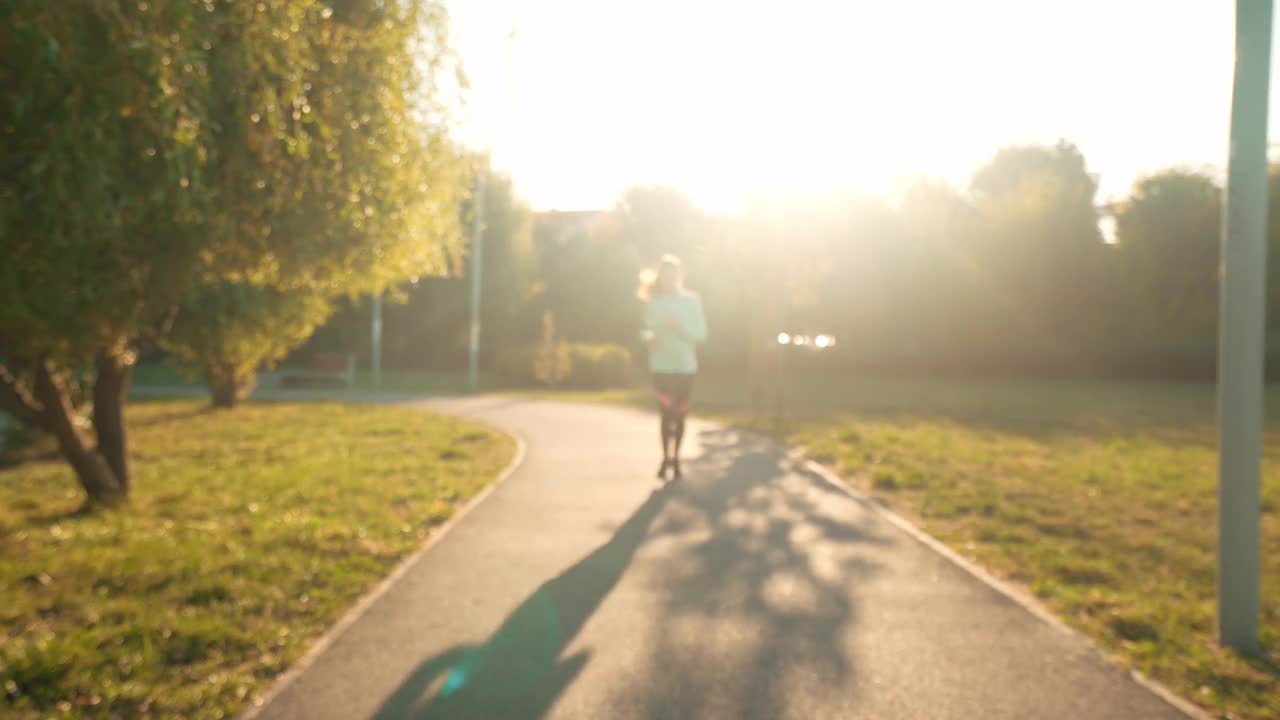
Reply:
x=674, y=326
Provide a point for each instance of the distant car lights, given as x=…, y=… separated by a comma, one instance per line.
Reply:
x=817, y=342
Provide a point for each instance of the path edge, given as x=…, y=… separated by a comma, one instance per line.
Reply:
x=366, y=601
x=1013, y=594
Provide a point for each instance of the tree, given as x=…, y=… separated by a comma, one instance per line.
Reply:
x=508, y=311
x=101, y=117
x=655, y=220
x=944, y=299
x=162, y=148
x=1041, y=251
x=429, y=328
x=232, y=329
x=1167, y=234
x=588, y=275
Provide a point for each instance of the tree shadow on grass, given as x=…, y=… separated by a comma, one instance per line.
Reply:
x=171, y=416
x=83, y=511
x=17, y=457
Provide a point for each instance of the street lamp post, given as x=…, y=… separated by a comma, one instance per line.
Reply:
x=477, y=268
x=375, y=340
x=780, y=411
x=477, y=240
x=1242, y=309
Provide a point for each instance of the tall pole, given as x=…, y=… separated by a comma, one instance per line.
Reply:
x=477, y=269
x=780, y=412
x=375, y=361
x=1241, y=323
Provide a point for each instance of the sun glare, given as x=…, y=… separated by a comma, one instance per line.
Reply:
x=726, y=99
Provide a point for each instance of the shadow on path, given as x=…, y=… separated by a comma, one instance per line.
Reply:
x=761, y=590
x=518, y=671
x=756, y=566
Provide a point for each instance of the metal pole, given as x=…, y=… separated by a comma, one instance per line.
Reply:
x=780, y=417
x=375, y=362
x=477, y=269
x=1242, y=309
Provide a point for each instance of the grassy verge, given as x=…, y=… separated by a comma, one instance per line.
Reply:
x=248, y=535
x=1098, y=497
x=416, y=382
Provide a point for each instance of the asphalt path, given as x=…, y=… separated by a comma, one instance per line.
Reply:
x=582, y=587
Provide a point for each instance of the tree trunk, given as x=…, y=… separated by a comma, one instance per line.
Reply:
x=91, y=468
x=109, y=394
x=226, y=389
x=223, y=393
x=17, y=401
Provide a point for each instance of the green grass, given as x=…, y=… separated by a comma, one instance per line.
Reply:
x=248, y=534
x=1100, y=498
x=417, y=382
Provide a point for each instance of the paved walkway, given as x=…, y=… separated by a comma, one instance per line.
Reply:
x=750, y=590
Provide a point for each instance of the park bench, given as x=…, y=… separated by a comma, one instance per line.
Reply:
x=324, y=369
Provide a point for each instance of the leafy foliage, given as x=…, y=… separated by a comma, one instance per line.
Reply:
x=164, y=147
x=1167, y=231
x=233, y=329
x=429, y=326
x=1008, y=275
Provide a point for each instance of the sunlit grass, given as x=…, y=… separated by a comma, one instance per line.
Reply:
x=248, y=534
x=416, y=382
x=1100, y=498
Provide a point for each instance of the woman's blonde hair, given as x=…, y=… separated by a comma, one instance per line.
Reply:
x=651, y=279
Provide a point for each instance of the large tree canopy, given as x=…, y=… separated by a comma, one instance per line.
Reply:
x=1167, y=237
x=161, y=147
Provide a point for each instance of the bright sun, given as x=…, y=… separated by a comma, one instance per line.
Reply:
x=728, y=99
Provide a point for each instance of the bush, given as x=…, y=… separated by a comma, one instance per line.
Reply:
x=595, y=367
x=533, y=365
x=566, y=365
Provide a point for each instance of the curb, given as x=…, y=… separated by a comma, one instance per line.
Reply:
x=1016, y=595
x=368, y=599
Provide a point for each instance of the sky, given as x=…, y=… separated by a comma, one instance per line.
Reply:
x=580, y=99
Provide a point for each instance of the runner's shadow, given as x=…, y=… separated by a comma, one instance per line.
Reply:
x=519, y=672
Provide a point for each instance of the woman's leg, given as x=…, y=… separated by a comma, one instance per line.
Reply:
x=668, y=432
x=662, y=390
x=679, y=411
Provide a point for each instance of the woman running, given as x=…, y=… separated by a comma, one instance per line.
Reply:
x=674, y=327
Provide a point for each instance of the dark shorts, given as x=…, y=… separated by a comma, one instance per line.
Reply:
x=674, y=390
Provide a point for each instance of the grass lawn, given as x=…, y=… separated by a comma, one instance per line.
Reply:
x=417, y=382
x=249, y=533
x=1098, y=497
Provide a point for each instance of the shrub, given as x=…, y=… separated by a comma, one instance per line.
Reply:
x=532, y=365
x=580, y=366
x=595, y=367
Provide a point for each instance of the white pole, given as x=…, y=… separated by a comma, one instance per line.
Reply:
x=477, y=269
x=1242, y=322
x=375, y=361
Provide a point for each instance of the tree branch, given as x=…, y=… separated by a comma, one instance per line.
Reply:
x=18, y=402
